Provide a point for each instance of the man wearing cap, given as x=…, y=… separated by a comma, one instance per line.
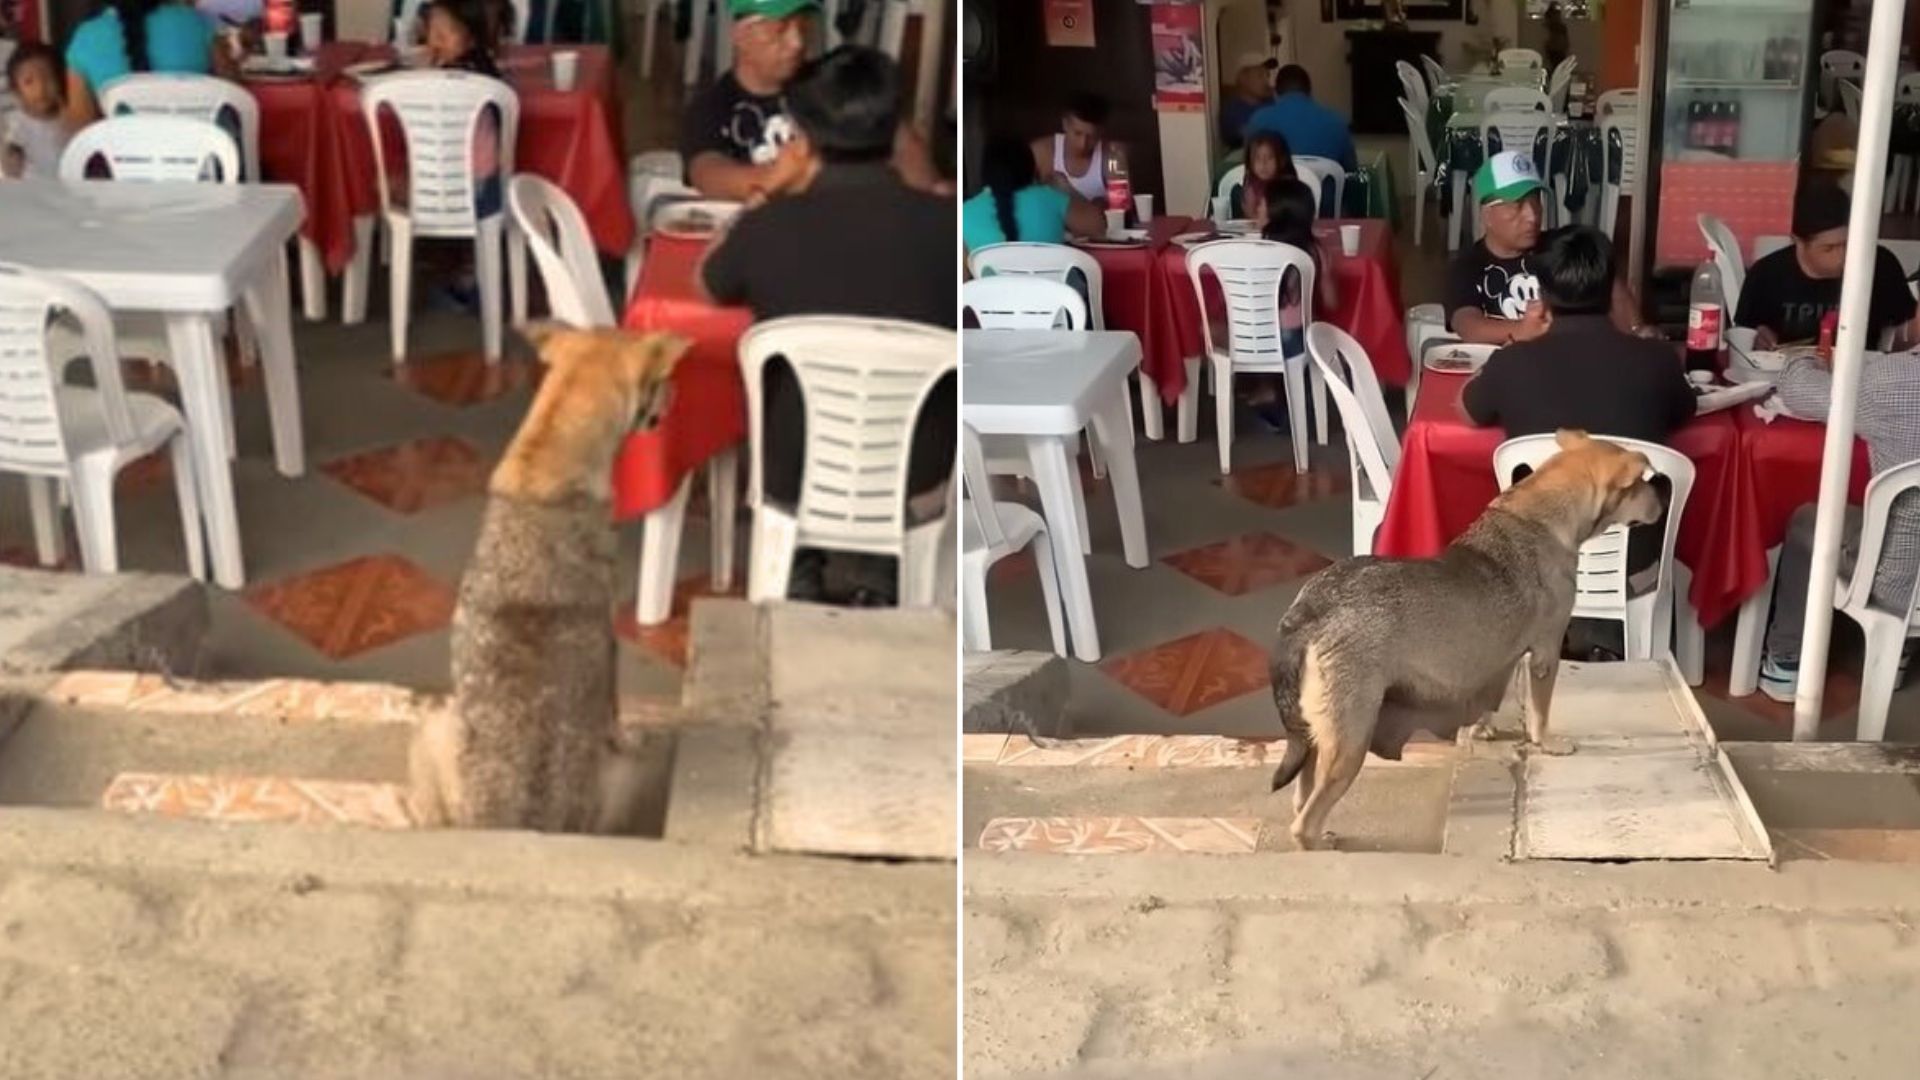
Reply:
x=1252, y=89
x=1493, y=293
x=733, y=132
x=1789, y=292
x=1310, y=128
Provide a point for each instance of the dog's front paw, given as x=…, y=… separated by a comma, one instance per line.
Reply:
x=1552, y=745
x=1324, y=842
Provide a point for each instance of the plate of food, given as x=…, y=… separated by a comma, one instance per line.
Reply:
x=1715, y=396
x=1123, y=238
x=1194, y=239
x=1237, y=227
x=285, y=67
x=1456, y=359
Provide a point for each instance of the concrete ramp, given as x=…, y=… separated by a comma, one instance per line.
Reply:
x=1647, y=780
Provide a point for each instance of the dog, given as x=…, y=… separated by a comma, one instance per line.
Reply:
x=1373, y=649
x=531, y=740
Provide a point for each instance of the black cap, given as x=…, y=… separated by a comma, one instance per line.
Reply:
x=1819, y=205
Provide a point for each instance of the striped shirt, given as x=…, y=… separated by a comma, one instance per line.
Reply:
x=1888, y=417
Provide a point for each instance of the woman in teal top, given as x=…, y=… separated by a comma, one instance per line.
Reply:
x=1014, y=205
x=125, y=36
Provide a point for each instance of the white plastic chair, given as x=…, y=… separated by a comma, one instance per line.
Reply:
x=1886, y=632
x=1517, y=99
x=1611, y=100
x=1316, y=172
x=1726, y=260
x=1422, y=163
x=1559, y=83
x=80, y=438
x=1618, y=120
x=1521, y=58
x=1025, y=302
x=1425, y=323
x=1836, y=64
x=564, y=254
x=1901, y=167
x=1231, y=182
x=864, y=382
x=1849, y=98
x=650, y=14
x=1412, y=86
x=652, y=176
x=148, y=149
x=991, y=530
x=1436, y=75
x=1250, y=273
x=1373, y=448
x=1600, y=585
x=439, y=114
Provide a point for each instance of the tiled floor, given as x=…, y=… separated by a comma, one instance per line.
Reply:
x=1186, y=638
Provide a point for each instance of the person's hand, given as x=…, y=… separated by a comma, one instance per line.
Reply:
x=790, y=171
x=1649, y=331
x=1764, y=338
x=1534, y=323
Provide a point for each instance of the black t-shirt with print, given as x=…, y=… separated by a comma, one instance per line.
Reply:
x=1499, y=288
x=725, y=119
x=1780, y=296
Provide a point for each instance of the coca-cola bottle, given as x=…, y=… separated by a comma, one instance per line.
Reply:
x=1119, y=188
x=1829, y=328
x=1706, y=309
x=278, y=18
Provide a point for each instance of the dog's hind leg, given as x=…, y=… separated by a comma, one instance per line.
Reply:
x=1341, y=709
x=1335, y=764
x=1542, y=667
x=1303, y=785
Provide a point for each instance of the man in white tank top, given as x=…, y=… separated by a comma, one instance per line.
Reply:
x=1075, y=159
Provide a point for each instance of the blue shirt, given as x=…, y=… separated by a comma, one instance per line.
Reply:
x=1040, y=211
x=179, y=39
x=1309, y=127
x=1234, y=115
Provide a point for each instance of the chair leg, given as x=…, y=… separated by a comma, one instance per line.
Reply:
x=696, y=42
x=1050, y=591
x=517, y=273
x=400, y=286
x=1152, y=417
x=486, y=266
x=1187, y=411
x=1223, y=413
x=975, y=634
x=1750, y=634
x=1689, y=638
x=313, y=281
x=187, y=491
x=1296, y=380
x=1095, y=459
x=1880, y=669
x=1320, y=417
x=770, y=559
x=652, y=18
x=632, y=274
x=93, y=520
x=660, y=535
x=1419, y=210
x=1080, y=512
x=723, y=502
x=359, y=275
x=49, y=539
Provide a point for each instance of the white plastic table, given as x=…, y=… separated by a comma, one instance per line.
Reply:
x=1046, y=386
x=188, y=252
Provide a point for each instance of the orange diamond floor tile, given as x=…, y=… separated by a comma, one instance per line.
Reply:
x=1277, y=486
x=464, y=378
x=670, y=639
x=1124, y=835
x=1248, y=563
x=358, y=605
x=1194, y=672
x=415, y=475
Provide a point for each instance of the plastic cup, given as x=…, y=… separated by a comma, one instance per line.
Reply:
x=1116, y=223
x=1350, y=240
x=1143, y=208
x=276, y=45
x=402, y=32
x=1222, y=208
x=311, y=31
x=566, y=69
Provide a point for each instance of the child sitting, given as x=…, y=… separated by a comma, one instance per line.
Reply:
x=461, y=36
x=32, y=138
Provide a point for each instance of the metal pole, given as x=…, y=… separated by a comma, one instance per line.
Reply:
x=1856, y=294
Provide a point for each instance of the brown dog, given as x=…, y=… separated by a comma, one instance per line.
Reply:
x=1373, y=649
x=531, y=739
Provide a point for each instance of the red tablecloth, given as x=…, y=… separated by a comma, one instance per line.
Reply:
x=1446, y=479
x=709, y=408
x=1145, y=290
x=1782, y=463
x=312, y=136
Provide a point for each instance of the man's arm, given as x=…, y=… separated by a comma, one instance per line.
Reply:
x=720, y=276
x=1626, y=310
x=1806, y=388
x=1479, y=399
x=1475, y=327
x=718, y=176
x=913, y=160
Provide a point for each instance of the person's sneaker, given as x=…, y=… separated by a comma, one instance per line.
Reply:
x=1779, y=679
x=1272, y=414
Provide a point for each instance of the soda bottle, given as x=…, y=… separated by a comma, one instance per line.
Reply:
x=1829, y=327
x=1119, y=188
x=278, y=17
x=1705, y=310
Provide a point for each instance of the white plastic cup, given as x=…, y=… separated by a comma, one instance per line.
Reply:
x=1350, y=240
x=311, y=31
x=1222, y=208
x=402, y=33
x=276, y=45
x=1116, y=223
x=566, y=69
x=1143, y=208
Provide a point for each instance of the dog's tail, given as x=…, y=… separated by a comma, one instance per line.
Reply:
x=1286, y=668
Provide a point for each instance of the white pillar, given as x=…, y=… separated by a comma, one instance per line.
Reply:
x=1856, y=295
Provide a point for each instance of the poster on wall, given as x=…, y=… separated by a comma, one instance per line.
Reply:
x=1179, y=58
x=1070, y=23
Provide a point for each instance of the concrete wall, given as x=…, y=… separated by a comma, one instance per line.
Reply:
x=362, y=20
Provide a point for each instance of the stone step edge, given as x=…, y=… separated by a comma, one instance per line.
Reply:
x=1170, y=752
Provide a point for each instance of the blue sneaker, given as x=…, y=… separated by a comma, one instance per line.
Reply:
x=1779, y=678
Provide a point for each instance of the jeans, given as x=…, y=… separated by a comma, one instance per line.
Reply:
x=1796, y=569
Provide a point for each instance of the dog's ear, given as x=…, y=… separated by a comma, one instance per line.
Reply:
x=1571, y=438
x=1630, y=468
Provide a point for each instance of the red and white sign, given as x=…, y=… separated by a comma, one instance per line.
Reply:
x=1179, y=58
x=1070, y=23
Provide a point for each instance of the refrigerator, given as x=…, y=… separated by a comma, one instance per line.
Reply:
x=1730, y=114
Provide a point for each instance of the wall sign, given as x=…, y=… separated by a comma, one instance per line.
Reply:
x=1179, y=58
x=1069, y=23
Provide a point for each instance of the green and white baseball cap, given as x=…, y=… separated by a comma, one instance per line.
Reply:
x=1508, y=176
x=770, y=9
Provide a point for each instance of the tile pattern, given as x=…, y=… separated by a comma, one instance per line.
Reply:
x=291, y=701
x=463, y=379
x=1127, y=835
x=1162, y=752
x=415, y=475
x=1278, y=486
x=259, y=800
x=669, y=640
x=1248, y=563
x=358, y=605
x=1192, y=673
x=1853, y=845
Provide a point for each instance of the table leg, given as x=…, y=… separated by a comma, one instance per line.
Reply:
x=660, y=534
x=1152, y=416
x=313, y=281
x=196, y=363
x=271, y=311
x=1187, y=412
x=359, y=275
x=1051, y=458
x=1114, y=425
x=1750, y=633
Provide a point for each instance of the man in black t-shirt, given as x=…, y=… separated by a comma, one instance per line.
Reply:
x=732, y=133
x=1493, y=291
x=1789, y=292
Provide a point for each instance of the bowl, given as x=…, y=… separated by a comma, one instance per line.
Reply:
x=1766, y=359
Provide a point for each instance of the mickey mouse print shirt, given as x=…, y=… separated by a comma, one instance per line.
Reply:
x=1499, y=288
x=725, y=118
